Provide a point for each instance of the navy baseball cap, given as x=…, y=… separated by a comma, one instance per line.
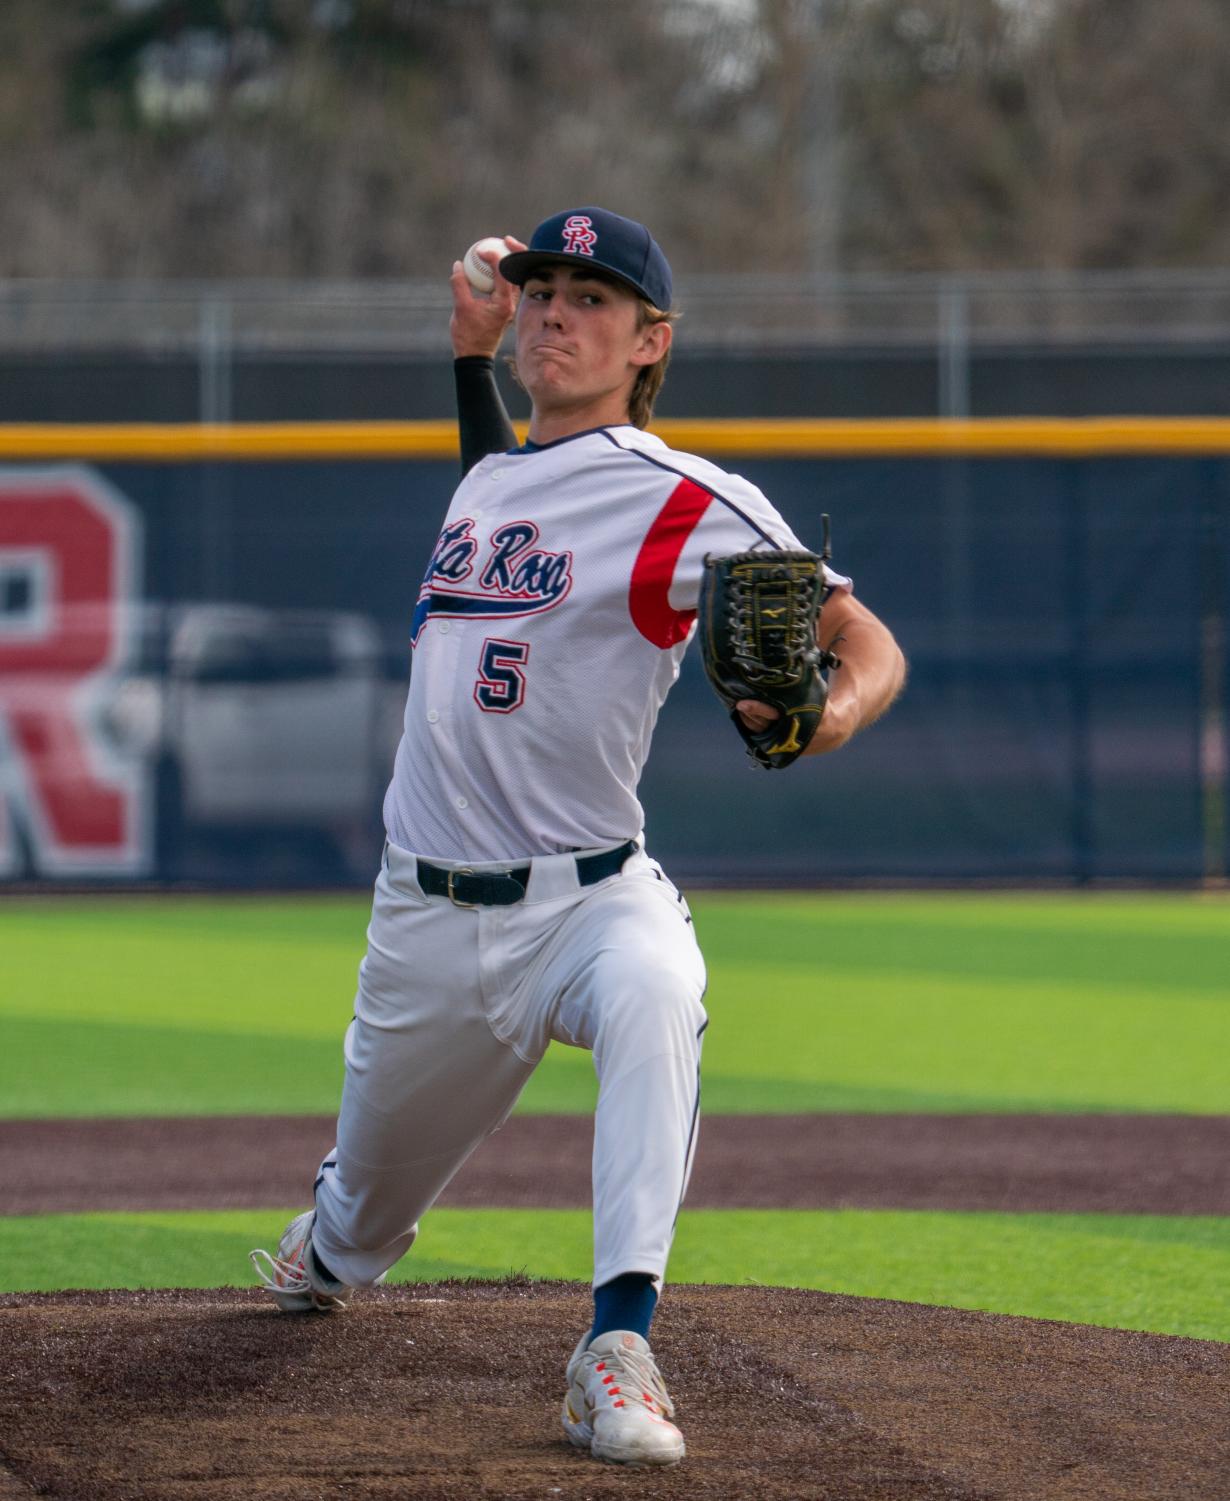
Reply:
x=596, y=238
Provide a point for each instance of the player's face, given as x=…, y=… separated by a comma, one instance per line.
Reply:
x=580, y=343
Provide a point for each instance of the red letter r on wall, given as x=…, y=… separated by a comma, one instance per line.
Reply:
x=68, y=585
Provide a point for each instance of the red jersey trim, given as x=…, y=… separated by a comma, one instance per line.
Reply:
x=648, y=595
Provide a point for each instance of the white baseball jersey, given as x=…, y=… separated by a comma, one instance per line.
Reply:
x=551, y=623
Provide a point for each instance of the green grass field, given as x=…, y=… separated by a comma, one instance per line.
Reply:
x=1128, y=1271
x=827, y=1002
x=970, y=1002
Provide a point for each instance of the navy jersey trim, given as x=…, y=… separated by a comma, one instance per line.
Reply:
x=529, y=446
x=690, y=1151
x=699, y=483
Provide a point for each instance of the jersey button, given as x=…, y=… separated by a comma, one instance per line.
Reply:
x=462, y=802
x=445, y=627
x=497, y=474
x=432, y=716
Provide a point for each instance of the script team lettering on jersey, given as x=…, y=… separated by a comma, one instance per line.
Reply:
x=516, y=578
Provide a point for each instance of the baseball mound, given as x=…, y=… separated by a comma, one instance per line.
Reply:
x=452, y=1390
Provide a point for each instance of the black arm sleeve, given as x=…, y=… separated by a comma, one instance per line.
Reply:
x=482, y=422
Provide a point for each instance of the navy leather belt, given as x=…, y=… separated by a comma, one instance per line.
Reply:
x=491, y=888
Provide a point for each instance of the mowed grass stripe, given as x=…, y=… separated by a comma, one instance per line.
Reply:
x=943, y=1002
x=1134, y=1272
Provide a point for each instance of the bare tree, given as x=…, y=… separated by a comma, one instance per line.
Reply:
x=377, y=137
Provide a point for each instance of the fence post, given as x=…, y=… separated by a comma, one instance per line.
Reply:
x=1213, y=670
x=1078, y=523
x=214, y=361
x=214, y=365
x=953, y=324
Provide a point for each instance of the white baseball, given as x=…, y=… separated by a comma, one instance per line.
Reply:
x=478, y=271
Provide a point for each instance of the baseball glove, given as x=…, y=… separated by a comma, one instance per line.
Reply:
x=759, y=612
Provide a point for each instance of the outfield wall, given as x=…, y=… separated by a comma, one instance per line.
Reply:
x=204, y=642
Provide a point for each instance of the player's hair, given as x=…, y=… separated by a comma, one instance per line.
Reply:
x=650, y=377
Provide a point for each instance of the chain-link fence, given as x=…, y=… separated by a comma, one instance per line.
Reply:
x=203, y=667
x=228, y=343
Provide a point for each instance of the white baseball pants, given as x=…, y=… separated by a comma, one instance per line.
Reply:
x=456, y=1007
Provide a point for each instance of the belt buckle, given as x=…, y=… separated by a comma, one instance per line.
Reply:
x=466, y=871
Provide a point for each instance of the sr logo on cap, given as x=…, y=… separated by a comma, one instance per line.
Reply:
x=578, y=234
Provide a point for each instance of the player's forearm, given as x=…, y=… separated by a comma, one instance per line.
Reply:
x=871, y=675
x=483, y=426
x=477, y=325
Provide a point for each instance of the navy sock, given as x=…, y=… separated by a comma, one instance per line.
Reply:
x=322, y=1268
x=625, y=1302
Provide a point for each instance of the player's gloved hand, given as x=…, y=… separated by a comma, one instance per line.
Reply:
x=837, y=724
x=759, y=614
x=478, y=323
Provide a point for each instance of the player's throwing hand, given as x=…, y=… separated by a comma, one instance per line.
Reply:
x=479, y=320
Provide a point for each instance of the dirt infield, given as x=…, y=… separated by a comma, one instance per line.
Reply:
x=1125, y=1164
x=452, y=1391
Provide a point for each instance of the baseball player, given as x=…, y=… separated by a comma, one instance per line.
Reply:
x=516, y=902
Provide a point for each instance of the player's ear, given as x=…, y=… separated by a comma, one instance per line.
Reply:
x=653, y=342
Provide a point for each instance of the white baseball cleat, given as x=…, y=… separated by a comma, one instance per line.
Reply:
x=617, y=1405
x=294, y=1276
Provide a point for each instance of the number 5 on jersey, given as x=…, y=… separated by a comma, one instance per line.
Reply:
x=501, y=683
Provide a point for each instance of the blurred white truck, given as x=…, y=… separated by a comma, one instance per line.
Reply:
x=271, y=730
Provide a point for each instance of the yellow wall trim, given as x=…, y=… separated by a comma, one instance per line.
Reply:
x=1082, y=437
